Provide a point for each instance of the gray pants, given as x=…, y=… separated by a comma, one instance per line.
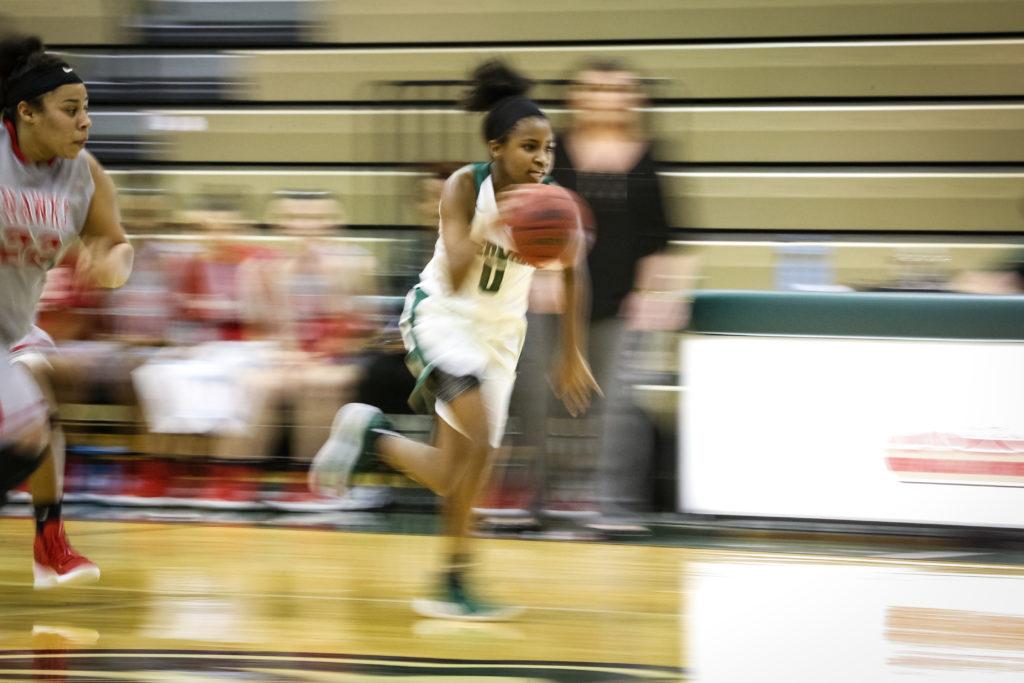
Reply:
x=624, y=444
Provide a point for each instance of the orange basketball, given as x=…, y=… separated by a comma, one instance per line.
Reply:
x=544, y=221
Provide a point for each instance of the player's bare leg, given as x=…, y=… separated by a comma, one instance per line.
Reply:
x=361, y=441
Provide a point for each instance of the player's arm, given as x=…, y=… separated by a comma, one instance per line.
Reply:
x=574, y=383
x=107, y=257
x=458, y=203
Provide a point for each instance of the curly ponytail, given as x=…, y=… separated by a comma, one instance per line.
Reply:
x=500, y=91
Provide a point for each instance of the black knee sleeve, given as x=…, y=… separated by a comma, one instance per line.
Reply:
x=16, y=465
x=447, y=387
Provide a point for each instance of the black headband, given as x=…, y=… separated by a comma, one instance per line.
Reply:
x=507, y=113
x=37, y=81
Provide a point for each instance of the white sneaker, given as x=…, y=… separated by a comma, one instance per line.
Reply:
x=460, y=611
x=345, y=451
x=454, y=602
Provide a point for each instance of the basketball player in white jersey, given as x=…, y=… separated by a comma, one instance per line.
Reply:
x=52, y=193
x=464, y=326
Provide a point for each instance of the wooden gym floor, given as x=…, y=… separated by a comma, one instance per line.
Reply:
x=204, y=602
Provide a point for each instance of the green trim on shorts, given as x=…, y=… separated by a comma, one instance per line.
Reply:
x=421, y=399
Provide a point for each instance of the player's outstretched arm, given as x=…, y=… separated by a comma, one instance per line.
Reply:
x=574, y=382
x=107, y=257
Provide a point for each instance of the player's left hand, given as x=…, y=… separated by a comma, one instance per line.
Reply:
x=574, y=382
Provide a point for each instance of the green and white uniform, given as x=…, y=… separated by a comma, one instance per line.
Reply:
x=477, y=330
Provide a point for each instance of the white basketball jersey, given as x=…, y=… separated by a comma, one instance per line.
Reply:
x=43, y=208
x=497, y=287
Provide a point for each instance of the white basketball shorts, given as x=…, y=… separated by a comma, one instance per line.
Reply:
x=22, y=406
x=440, y=338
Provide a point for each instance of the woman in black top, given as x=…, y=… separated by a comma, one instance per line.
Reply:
x=606, y=158
x=620, y=184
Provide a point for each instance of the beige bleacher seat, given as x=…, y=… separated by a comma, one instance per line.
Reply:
x=824, y=197
x=495, y=21
x=413, y=22
x=842, y=133
x=835, y=134
x=874, y=199
x=867, y=69
x=822, y=201
x=81, y=22
x=761, y=70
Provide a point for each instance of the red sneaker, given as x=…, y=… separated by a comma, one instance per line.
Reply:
x=57, y=563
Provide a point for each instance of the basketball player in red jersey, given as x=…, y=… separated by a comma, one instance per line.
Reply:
x=51, y=194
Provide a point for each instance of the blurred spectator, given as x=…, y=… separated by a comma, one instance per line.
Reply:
x=304, y=214
x=606, y=157
x=145, y=210
x=216, y=211
x=266, y=333
x=315, y=295
x=209, y=293
x=206, y=285
x=314, y=301
x=142, y=312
